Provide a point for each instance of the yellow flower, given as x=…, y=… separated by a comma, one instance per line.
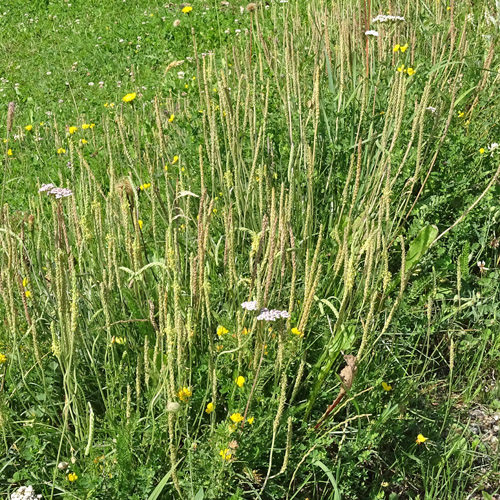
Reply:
x=61, y=151
x=481, y=151
x=72, y=130
x=297, y=332
x=184, y=394
x=3, y=359
x=84, y=141
x=214, y=210
x=140, y=223
x=461, y=114
x=42, y=124
x=165, y=167
x=403, y=47
x=421, y=439
x=240, y=381
x=236, y=417
x=244, y=331
x=175, y=159
x=225, y=454
x=129, y=97
x=145, y=186
x=386, y=387
x=187, y=9
x=396, y=48
x=401, y=68
x=85, y=126
x=92, y=125
x=171, y=119
x=411, y=71
x=25, y=282
x=28, y=127
x=9, y=152
x=221, y=331
x=27, y=293
x=210, y=408
x=72, y=477
x=106, y=104
x=118, y=340
x=384, y=484
x=250, y=420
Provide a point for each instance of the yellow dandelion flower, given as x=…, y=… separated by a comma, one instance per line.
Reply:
x=61, y=151
x=210, y=408
x=297, y=332
x=386, y=387
x=72, y=130
x=72, y=477
x=225, y=454
x=187, y=9
x=481, y=151
x=221, y=331
x=184, y=394
x=129, y=97
x=240, y=381
x=172, y=117
x=9, y=152
x=403, y=48
x=28, y=128
x=421, y=439
x=3, y=358
x=236, y=417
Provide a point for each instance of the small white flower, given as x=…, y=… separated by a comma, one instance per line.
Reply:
x=181, y=74
x=493, y=146
x=383, y=19
x=91, y=84
x=250, y=306
x=371, y=33
x=432, y=109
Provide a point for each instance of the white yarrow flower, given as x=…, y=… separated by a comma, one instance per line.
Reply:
x=371, y=33
x=250, y=306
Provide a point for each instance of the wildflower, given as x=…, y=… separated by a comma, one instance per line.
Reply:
x=213, y=210
x=297, y=332
x=25, y=282
x=72, y=477
x=129, y=97
x=421, y=439
x=401, y=68
x=240, y=381
x=139, y=221
x=432, y=109
x=481, y=151
x=118, y=340
x=145, y=186
x=396, y=48
x=175, y=159
x=461, y=114
x=250, y=306
x=187, y=9
x=3, y=358
x=236, y=417
x=386, y=387
x=221, y=331
x=250, y=420
x=62, y=465
x=92, y=125
x=27, y=293
x=403, y=48
x=272, y=315
x=177, y=23
x=84, y=141
x=171, y=119
x=411, y=71
x=384, y=484
x=210, y=408
x=28, y=128
x=9, y=152
x=72, y=130
x=381, y=18
x=244, y=331
x=371, y=33
x=481, y=264
x=493, y=146
x=25, y=493
x=225, y=454
x=61, y=151
x=184, y=394
x=50, y=189
x=85, y=126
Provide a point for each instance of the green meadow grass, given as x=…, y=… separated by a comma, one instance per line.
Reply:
x=268, y=152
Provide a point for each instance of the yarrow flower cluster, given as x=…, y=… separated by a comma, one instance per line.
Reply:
x=381, y=18
x=272, y=315
x=371, y=33
x=50, y=189
x=25, y=493
x=250, y=306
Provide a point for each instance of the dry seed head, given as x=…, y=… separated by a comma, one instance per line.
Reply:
x=10, y=115
x=251, y=7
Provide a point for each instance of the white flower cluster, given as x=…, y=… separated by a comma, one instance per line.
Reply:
x=272, y=315
x=250, y=306
x=493, y=146
x=383, y=19
x=432, y=109
x=55, y=191
x=25, y=493
x=371, y=32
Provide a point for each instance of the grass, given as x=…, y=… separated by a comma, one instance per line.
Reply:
x=270, y=154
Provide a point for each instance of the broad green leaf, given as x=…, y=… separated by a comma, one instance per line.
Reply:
x=420, y=245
